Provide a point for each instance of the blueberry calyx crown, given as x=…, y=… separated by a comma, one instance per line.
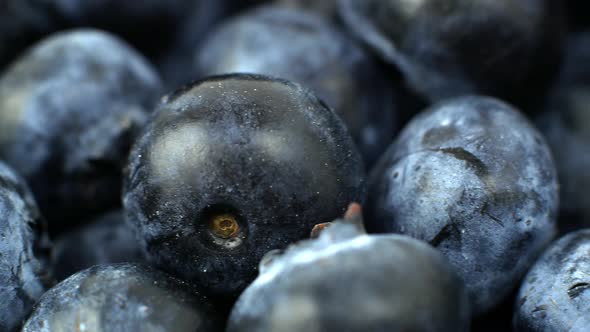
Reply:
x=224, y=226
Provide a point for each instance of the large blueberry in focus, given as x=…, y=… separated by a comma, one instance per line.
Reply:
x=473, y=178
x=566, y=125
x=23, y=251
x=449, y=48
x=347, y=280
x=307, y=49
x=69, y=109
x=109, y=239
x=555, y=294
x=232, y=167
x=123, y=297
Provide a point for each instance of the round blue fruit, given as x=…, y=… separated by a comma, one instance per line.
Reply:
x=472, y=177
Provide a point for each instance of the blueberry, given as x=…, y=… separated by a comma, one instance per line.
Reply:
x=448, y=48
x=566, y=125
x=24, y=272
x=232, y=167
x=106, y=240
x=472, y=177
x=347, y=280
x=307, y=49
x=69, y=109
x=554, y=295
x=122, y=297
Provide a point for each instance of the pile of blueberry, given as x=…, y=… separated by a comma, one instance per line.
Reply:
x=294, y=165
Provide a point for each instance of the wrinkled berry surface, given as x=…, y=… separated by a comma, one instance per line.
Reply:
x=472, y=177
x=554, y=295
x=23, y=255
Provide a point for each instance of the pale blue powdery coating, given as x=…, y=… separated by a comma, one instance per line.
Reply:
x=347, y=280
x=122, y=297
x=23, y=264
x=554, y=295
x=472, y=177
x=69, y=109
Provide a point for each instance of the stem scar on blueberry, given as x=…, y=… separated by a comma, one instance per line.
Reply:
x=225, y=230
x=224, y=226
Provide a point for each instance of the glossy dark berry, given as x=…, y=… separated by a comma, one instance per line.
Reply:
x=69, y=109
x=122, y=297
x=566, y=125
x=232, y=167
x=554, y=295
x=448, y=48
x=346, y=280
x=109, y=239
x=23, y=251
x=472, y=177
x=307, y=49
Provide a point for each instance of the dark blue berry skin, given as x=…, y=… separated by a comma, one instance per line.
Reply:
x=554, y=295
x=450, y=48
x=566, y=125
x=472, y=177
x=109, y=239
x=23, y=251
x=307, y=49
x=348, y=281
x=263, y=152
x=123, y=297
x=69, y=109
